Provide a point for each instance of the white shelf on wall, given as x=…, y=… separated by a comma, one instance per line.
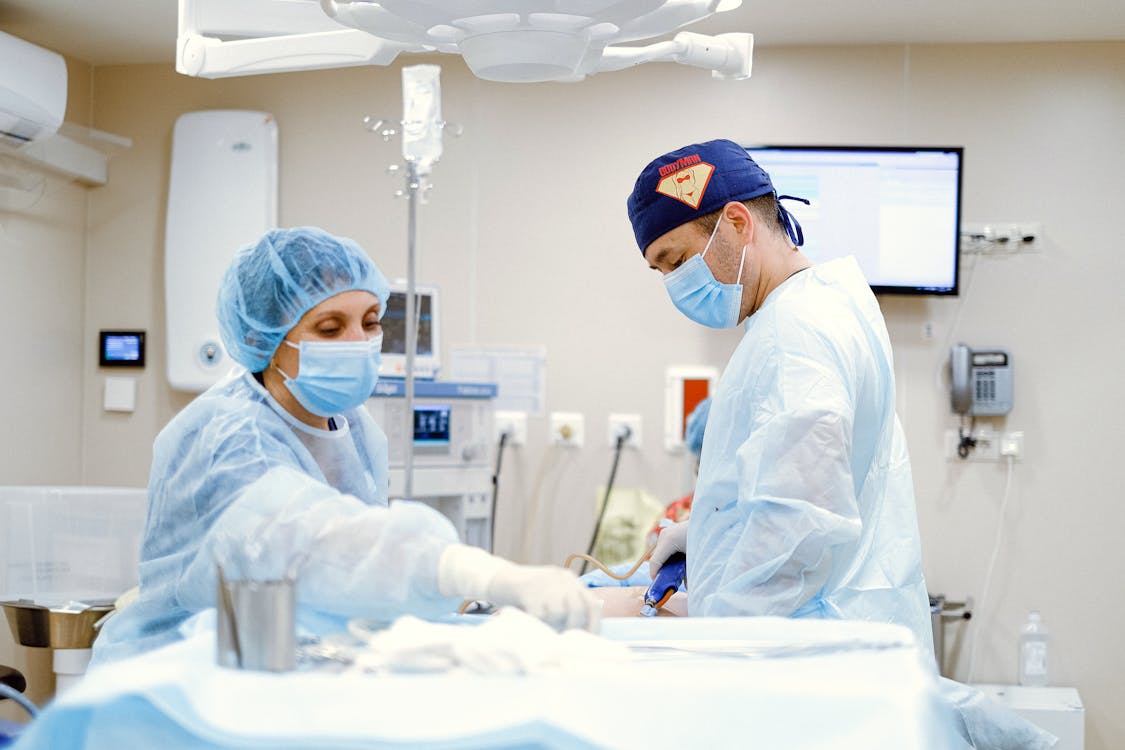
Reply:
x=79, y=153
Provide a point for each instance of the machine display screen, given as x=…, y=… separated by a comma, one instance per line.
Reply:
x=431, y=425
x=121, y=348
x=394, y=324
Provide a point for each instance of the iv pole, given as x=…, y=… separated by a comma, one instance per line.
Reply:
x=413, y=185
x=421, y=148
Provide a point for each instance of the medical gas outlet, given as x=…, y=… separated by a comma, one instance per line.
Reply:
x=514, y=425
x=627, y=425
x=568, y=429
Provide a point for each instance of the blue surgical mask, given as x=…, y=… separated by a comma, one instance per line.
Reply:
x=696, y=293
x=334, y=376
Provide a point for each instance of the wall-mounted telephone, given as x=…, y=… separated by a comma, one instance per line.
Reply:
x=981, y=381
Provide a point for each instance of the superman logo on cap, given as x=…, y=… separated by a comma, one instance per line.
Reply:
x=685, y=180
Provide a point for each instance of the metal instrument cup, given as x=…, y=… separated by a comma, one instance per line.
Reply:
x=257, y=624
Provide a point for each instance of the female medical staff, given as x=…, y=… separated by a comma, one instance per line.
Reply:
x=279, y=467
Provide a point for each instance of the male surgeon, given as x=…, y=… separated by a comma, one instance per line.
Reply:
x=804, y=505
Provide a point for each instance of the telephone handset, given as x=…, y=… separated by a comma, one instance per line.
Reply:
x=960, y=394
x=981, y=381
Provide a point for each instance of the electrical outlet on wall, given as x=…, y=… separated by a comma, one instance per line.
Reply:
x=514, y=423
x=987, y=447
x=568, y=429
x=1002, y=238
x=617, y=425
x=1011, y=444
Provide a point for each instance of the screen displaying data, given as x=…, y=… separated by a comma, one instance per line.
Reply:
x=394, y=324
x=431, y=425
x=897, y=210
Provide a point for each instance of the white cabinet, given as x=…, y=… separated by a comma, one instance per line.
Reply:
x=1059, y=710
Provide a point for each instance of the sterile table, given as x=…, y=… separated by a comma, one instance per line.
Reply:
x=694, y=682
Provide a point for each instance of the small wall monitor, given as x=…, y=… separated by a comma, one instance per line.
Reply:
x=121, y=348
x=896, y=209
x=427, y=358
x=431, y=425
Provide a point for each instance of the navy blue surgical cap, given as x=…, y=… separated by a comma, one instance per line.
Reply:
x=697, y=180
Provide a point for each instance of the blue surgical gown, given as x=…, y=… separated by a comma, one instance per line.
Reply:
x=237, y=479
x=805, y=505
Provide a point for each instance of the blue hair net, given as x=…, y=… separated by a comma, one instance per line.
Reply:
x=696, y=424
x=270, y=284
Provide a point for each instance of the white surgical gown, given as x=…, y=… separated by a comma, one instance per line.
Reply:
x=237, y=479
x=804, y=505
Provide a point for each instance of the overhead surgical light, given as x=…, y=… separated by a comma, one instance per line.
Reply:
x=500, y=40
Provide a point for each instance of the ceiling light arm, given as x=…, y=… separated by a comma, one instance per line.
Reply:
x=727, y=56
x=208, y=57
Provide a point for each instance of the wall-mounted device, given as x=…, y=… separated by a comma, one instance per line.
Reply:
x=427, y=356
x=121, y=348
x=684, y=387
x=32, y=91
x=981, y=381
x=222, y=195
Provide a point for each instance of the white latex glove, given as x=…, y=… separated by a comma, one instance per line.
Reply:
x=672, y=539
x=552, y=594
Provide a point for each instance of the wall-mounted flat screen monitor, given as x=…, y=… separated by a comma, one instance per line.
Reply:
x=121, y=348
x=896, y=209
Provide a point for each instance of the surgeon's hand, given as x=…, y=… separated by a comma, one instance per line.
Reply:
x=552, y=594
x=672, y=539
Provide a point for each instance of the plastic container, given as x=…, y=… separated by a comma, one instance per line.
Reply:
x=60, y=544
x=1033, y=651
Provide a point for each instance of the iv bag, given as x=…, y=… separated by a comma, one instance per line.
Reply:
x=421, y=115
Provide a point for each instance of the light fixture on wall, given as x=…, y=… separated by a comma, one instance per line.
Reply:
x=500, y=40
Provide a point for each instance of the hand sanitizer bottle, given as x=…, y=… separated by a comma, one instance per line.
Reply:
x=1033, y=651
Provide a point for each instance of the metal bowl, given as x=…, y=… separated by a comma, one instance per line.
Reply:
x=42, y=627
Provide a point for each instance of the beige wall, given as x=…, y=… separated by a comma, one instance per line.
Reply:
x=42, y=296
x=527, y=237
x=42, y=248
x=1041, y=127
